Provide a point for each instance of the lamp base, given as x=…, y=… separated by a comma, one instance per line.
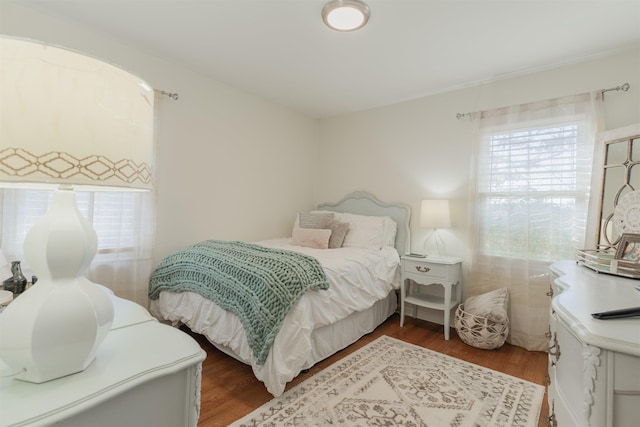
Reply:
x=433, y=244
x=54, y=328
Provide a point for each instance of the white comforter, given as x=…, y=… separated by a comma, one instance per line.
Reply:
x=358, y=278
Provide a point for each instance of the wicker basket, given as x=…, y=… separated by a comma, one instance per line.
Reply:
x=480, y=332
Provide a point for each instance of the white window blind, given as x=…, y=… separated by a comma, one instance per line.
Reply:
x=123, y=221
x=114, y=216
x=531, y=202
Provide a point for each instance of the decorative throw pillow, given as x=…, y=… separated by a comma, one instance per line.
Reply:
x=311, y=237
x=492, y=305
x=312, y=220
x=339, y=231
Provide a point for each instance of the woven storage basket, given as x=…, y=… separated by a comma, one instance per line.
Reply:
x=480, y=332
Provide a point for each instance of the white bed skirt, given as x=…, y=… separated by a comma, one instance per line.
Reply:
x=330, y=339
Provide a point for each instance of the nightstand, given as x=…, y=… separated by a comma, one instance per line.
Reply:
x=418, y=273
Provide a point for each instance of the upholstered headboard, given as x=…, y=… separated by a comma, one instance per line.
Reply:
x=364, y=203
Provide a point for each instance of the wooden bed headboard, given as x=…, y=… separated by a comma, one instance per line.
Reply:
x=364, y=203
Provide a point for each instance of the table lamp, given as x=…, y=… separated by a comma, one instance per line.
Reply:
x=67, y=121
x=435, y=214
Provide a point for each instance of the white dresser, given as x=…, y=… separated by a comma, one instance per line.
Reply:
x=594, y=365
x=145, y=374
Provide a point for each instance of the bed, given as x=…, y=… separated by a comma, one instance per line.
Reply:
x=361, y=295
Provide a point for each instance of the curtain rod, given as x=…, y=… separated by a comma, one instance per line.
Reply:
x=624, y=87
x=173, y=96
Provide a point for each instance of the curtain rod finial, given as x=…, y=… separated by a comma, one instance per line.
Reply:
x=173, y=96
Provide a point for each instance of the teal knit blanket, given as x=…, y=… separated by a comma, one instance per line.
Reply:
x=260, y=285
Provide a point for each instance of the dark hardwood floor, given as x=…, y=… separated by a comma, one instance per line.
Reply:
x=230, y=391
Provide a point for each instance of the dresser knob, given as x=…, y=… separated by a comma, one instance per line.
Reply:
x=422, y=269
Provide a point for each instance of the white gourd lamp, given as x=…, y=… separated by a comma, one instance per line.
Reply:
x=435, y=214
x=67, y=120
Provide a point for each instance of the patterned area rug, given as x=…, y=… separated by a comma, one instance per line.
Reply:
x=393, y=383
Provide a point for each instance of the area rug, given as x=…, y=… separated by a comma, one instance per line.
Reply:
x=393, y=383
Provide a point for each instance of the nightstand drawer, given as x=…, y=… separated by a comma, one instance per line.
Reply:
x=427, y=269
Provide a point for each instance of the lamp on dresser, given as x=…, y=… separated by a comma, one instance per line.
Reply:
x=434, y=214
x=67, y=121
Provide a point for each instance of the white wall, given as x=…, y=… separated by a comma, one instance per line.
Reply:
x=229, y=166
x=418, y=150
x=233, y=166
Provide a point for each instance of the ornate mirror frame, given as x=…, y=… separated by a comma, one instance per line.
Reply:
x=616, y=172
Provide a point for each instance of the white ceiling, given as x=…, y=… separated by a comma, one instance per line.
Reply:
x=280, y=49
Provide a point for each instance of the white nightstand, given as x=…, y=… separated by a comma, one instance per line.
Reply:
x=432, y=270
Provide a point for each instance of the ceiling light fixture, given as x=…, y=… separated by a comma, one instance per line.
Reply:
x=345, y=15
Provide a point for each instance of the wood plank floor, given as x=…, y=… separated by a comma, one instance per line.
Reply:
x=230, y=391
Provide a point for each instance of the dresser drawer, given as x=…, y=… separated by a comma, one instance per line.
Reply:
x=425, y=269
x=623, y=381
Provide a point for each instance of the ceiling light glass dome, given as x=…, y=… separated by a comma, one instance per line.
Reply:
x=345, y=15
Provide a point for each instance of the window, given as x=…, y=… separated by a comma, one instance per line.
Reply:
x=123, y=221
x=114, y=216
x=533, y=174
x=532, y=205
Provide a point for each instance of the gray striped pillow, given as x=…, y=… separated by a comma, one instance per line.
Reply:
x=310, y=220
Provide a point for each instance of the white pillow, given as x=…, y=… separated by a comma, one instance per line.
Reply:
x=364, y=231
x=390, y=230
x=492, y=305
x=317, y=238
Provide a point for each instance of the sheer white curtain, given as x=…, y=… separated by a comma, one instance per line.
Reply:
x=530, y=202
x=124, y=222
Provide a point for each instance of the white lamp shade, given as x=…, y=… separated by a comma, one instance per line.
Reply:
x=435, y=214
x=67, y=118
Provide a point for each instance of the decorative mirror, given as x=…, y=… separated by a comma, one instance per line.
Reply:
x=617, y=206
x=614, y=202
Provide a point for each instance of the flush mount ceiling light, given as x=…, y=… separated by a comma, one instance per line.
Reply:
x=345, y=15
